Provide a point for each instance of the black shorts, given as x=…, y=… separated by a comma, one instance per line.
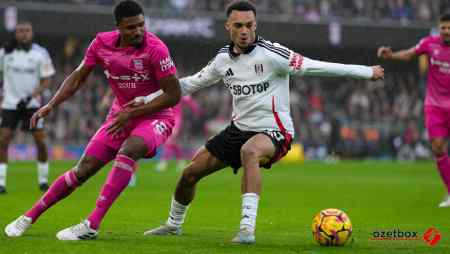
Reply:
x=226, y=146
x=12, y=118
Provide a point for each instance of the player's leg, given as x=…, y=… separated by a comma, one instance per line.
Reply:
x=124, y=166
x=10, y=120
x=118, y=178
x=62, y=187
x=257, y=151
x=203, y=164
x=438, y=130
x=6, y=135
x=142, y=140
x=439, y=146
x=41, y=147
x=42, y=158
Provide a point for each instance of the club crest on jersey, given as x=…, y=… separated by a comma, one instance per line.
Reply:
x=259, y=69
x=296, y=61
x=138, y=64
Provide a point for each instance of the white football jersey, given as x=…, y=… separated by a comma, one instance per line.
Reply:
x=22, y=72
x=259, y=82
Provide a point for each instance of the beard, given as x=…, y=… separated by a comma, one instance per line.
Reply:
x=24, y=45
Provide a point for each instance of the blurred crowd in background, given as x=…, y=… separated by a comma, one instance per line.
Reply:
x=332, y=116
x=308, y=10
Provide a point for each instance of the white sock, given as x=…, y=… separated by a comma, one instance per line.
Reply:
x=3, y=169
x=177, y=213
x=42, y=172
x=249, y=211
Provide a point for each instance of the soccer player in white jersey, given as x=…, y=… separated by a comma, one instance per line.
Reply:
x=257, y=74
x=26, y=70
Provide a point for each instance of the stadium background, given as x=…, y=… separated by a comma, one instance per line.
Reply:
x=352, y=119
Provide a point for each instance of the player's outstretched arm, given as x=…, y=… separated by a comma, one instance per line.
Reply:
x=310, y=67
x=68, y=88
x=401, y=55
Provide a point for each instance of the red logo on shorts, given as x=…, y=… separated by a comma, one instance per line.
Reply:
x=431, y=236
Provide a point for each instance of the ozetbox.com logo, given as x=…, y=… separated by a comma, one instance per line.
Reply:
x=431, y=236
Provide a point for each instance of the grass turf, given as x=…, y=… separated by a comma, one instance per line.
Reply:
x=376, y=196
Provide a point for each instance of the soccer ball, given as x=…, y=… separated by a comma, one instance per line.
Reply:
x=331, y=227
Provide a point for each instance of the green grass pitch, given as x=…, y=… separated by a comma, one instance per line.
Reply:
x=375, y=195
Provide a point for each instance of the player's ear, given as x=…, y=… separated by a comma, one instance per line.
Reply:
x=227, y=26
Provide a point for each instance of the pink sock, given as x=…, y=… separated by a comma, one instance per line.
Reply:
x=443, y=164
x=117, y=181
x=60, y=188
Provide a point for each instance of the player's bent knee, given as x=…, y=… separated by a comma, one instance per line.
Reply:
x=134, y=147
x=190, y=177
x=86, y=168
x=249, y=152
x=439, y=147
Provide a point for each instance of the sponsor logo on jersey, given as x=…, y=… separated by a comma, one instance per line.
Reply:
x=166, y=64
x=133, y=77
x=247, y=89
x=20, y=70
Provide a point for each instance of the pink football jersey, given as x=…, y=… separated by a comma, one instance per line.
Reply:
x=131, y=71
x=438, y=86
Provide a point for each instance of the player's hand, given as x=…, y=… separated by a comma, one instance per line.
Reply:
x=41, y=113
x=138, y=101
x=119, y=123
x=378, y=73
x=384, y=52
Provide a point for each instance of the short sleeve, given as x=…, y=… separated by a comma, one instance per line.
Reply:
x=91, y=58
x=422, y=47
x=46, y=68
x=162, y=63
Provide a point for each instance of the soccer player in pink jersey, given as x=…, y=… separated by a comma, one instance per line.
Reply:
x=171, y=147
x=136, y=63
x=437, y=99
